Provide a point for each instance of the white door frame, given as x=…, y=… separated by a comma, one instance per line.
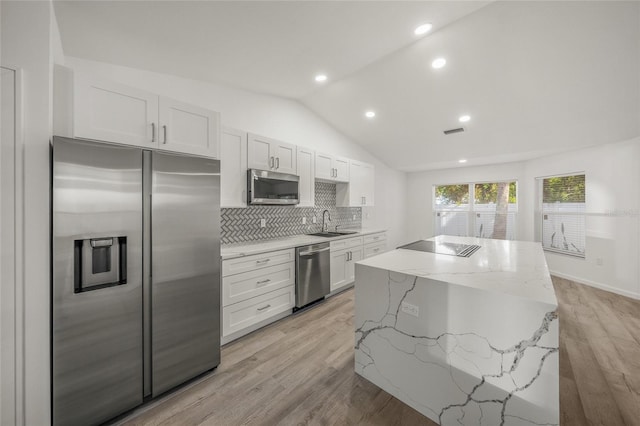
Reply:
x=11, y=267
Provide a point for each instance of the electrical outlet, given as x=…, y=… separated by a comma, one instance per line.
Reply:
x=304, y=220
x=314, y=220
x=599, y=261
x=263, y=223
x=410, y=309
x=354, y=217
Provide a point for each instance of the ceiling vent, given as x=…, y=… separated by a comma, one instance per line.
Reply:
x=451, y=131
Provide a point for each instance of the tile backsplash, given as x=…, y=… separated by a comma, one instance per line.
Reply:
x=242, y=225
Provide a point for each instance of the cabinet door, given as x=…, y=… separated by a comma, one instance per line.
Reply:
x=285, y=157
x=338, y=267
x=324, y=166
x=113, y=112
x=368, y=184
x=356, y=256
x=188, y=129
x=342, y=169
x=233, y=168
x=306, y=172
x=259, y=154
x=356, y=197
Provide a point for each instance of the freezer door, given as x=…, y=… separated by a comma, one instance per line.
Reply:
x=185, y=257
x=97, y=273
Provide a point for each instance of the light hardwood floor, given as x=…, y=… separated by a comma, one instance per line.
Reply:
x=300, y=371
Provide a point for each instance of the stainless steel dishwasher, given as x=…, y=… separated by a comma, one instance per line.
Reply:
x=313, y=276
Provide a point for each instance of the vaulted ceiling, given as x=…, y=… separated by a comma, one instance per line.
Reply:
x=535, y=77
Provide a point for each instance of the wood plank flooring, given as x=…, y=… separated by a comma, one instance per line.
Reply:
x=300, y=371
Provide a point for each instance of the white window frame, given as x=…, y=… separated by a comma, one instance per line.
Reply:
x=471, y=212
x=540, y=222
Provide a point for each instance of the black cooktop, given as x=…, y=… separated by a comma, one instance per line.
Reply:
x=452, y=249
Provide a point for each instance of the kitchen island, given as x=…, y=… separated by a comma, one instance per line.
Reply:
x=462, y=340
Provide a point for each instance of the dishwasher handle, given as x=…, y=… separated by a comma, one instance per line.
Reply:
x=312, y=252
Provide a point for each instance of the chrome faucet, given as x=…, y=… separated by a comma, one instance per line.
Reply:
x=325, y=225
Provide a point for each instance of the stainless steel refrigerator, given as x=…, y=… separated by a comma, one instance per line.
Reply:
x=136, y=276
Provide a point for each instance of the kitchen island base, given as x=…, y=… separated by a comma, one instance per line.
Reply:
x=457, y=354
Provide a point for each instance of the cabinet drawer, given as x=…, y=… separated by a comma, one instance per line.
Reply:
x=346, y=243
x=239, y=287
x=246, y=313
x=375, y=238
x=373, y=249
x=250, y=263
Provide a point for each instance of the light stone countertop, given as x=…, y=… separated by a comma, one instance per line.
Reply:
x=517, y=268
x=231, y=251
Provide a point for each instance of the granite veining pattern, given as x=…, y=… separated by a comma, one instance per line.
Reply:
x=472, y=356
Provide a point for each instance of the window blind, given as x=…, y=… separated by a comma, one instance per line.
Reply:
x=563, y=207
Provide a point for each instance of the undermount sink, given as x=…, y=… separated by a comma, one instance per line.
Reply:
x=325, y=234
x=332, y=234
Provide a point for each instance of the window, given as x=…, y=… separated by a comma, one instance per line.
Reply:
x=562, y=206
x=485, y=210
x=452, y=210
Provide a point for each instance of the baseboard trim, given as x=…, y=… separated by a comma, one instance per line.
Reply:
x=595, y=284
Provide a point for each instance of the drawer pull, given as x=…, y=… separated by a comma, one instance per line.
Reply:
x=375, y=238
x=262, y=261
x=263, y=281
x=264, y=307
x=376, y=250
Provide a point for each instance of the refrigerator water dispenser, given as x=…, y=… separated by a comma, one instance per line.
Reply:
x=99, y=263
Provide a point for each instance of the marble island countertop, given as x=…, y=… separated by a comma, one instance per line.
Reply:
x=231, y=251
x=464, y=341
x=516, y=268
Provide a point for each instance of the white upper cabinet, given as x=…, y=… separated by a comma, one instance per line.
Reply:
x=108, y=111
x=359, y=191
x=271, y=154
x=187, y=128
x=330, y=168
x=306, y=173
x=91, y=108
x=233, y=168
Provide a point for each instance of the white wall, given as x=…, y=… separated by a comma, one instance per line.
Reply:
x=26, y=45
x=613, y=209
x=275, y=117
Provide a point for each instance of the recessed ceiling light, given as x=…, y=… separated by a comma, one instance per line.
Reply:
x=320, y=78
x=462, y=161
x=422, y=29
x=370, y=114
x=439, y=63
x=464, y=118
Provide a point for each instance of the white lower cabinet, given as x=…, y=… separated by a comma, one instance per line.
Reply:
x=374, y=244
x=344, y=254
x=242, y=315
x=256, y=290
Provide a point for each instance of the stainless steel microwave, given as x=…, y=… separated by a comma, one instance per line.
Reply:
x=272, y=188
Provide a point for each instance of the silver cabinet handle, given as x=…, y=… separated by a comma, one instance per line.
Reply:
x=335, y=173
x=271, y=162
x=153, y=132
x=263, y=281
x=264, y=307
x=277, y=163
x=376, y=250
x=164, y=129
x=375, y=238
x=263, y=261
